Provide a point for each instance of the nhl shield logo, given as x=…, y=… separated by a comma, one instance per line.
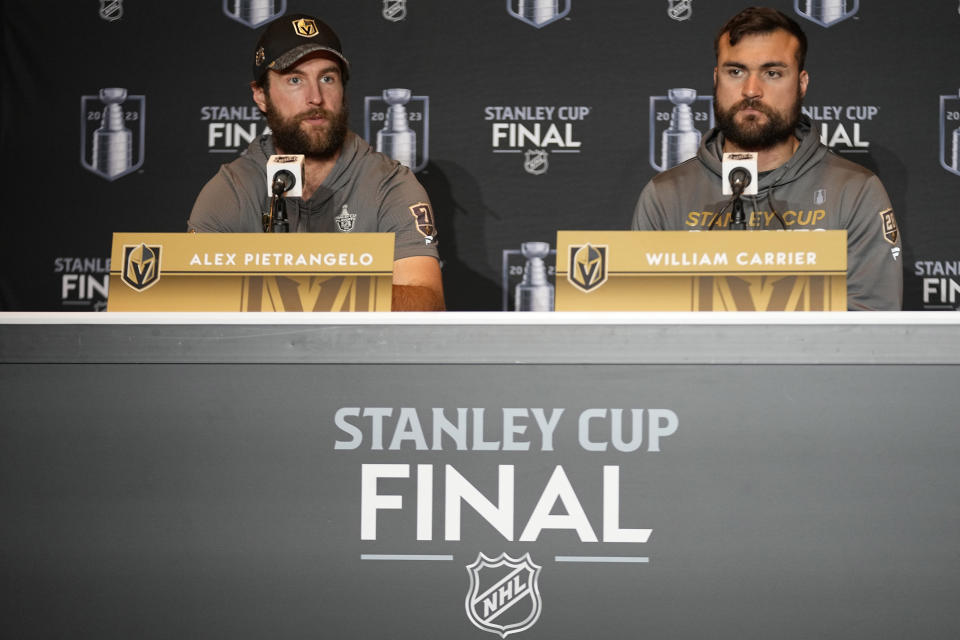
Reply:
x=141, y=266
x=535, y=161
x=826, y=13
x=254, y=13
x=112, y=126
x=678, y=120
x=504, y=595
x=680, y=10
x=950, y=133
x=397, y=124
x=111, y=10
x=394, y=10
x=538, y=13
x=587, y=266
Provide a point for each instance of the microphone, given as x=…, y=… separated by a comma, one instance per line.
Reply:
x=285, y=175
x=739, y=174
x=739, y=180
x=283, y=181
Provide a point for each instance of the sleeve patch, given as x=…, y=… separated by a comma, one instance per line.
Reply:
x=889, y=224
x=423, y=215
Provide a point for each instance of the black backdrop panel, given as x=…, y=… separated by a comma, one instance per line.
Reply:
x=522, y=128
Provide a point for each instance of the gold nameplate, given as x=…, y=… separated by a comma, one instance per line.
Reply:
x=251, y=272
x=701, y=271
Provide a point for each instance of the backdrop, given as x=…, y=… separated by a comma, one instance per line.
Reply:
x=529, y=116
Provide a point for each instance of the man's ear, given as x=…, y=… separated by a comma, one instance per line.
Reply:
x=259, y=96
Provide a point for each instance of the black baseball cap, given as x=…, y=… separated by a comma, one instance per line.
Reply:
x=289, y=38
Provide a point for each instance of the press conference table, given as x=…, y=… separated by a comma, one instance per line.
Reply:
x=358, y=475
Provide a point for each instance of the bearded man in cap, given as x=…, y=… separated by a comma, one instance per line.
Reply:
x=299, y=79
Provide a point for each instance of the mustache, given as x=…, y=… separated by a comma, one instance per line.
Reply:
x=752, y=103
x=315, y=113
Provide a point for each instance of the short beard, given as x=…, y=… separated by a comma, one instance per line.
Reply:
x=318, y=144
x=751, y=136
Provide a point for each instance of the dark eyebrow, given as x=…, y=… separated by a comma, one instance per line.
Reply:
x=765, y=65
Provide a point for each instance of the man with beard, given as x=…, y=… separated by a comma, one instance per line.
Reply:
x=759, y=84
x=300, y=73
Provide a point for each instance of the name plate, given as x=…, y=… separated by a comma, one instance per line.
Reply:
x=251, y=272
x=701, y=271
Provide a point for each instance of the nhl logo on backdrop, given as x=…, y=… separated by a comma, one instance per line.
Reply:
x=254, y=13
x=587, y=268
x=504, y=596
x=112, y=132
x=950, y=133
x=680, y=10
x=536, y=161
x=538, y=13
x=111, y=10
x=826, y=13
x=394, y=10
x=141, y=266
x=677, y=122
x=397, y=124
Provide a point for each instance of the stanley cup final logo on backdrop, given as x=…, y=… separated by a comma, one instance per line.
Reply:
x=112, y=132
x=538, y=13
x=950, y=133
x=394, y=10
x=397, y=123
x=677, y=122
x=254, y=13
x=680, y=10
x=111, y=10
x=504, y=596
x=826, y=13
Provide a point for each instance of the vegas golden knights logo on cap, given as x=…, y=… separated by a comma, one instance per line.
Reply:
x=305, y=27
x=141, y=266
x=588, y=266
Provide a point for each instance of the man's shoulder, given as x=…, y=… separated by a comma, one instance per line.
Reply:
x=683, y=173
x=843, y=169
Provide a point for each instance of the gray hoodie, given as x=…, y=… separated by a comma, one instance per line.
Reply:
x=365, y=192
x=815, y=189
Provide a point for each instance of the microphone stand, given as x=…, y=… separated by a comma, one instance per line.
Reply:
x=738, y=220
x=276, y=220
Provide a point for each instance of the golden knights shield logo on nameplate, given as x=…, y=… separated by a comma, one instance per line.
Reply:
x=141, y=266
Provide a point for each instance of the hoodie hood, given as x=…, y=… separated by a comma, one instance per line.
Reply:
x=807, y=155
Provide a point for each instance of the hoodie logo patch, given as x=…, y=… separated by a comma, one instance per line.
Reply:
x=890, y=231
x=820, y=196
x=345, y=220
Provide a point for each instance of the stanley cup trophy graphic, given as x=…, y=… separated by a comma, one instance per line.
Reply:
x=681, y=140
x=397, y=139
x=112, y=142
x=825, y=11
x=950, y=132
x=955, y=151
x=539, y=11
x=253, y=13
x=535, y=293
